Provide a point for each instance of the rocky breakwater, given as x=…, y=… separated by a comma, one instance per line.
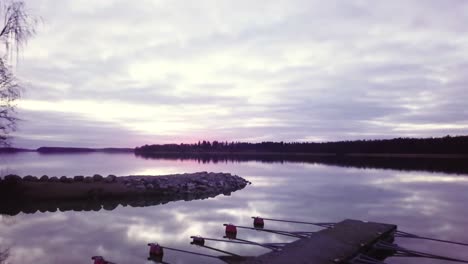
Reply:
x=30, y=194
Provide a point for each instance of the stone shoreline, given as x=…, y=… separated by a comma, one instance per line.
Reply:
x=30, y=194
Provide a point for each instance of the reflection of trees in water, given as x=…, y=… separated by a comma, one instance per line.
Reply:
x=444, y=165
x=31, y=206
x=6, y=220
x=4, y=254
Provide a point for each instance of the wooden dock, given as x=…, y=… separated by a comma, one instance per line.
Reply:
x=340, y=244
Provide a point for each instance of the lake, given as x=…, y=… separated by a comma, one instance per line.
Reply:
x=425, y=203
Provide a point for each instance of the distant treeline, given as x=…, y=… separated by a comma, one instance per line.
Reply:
x=59, y=150
x=53, y=150
x=443, y=145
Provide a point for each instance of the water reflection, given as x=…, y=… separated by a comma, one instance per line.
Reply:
x=12, y=208
x=418, y=202
x=442, y=164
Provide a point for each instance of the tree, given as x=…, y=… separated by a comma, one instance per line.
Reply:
x=18, y=26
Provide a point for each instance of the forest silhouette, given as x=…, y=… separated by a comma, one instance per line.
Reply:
x=442, y=145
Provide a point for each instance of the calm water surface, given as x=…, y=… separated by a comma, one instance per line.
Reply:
x=430, y=204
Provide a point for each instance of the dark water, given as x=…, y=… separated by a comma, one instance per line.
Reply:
x=425, y=203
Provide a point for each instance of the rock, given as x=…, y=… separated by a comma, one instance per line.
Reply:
x=54, y=179
x=30, y=178
x=44, y=178
x=29, y=210
x=97, y=178
x=78, y=178
x=88, y=179
x=140, y=187
x=96, y=207
x=164, y=188
x=64, y=179
x=154, y=181
x=190, y=186
x=203, y=182
x=202, y=188
x=110, y=206
x=12, y=179
x=110, y=178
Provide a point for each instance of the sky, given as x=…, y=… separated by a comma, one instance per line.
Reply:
x=128, y=73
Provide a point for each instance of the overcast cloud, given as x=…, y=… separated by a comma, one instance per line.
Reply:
x=126, y=73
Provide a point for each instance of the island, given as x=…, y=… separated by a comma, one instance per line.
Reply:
x=30, y=194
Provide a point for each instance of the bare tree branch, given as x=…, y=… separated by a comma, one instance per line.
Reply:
x=9, y=92
x=4, y=254
x=18, y=26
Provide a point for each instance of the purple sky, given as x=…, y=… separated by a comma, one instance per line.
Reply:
x=127, y=73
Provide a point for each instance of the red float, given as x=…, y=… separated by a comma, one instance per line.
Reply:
x=258, y=222
x=156, y=250
x=231, y=231
x=99, y=260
